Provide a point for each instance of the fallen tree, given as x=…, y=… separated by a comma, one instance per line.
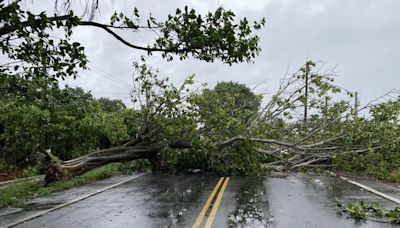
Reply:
x=57, y=170
x=223, y=129
x=150, y=139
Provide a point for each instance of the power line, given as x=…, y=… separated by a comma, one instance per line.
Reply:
x=108, y=93
x=100, y=79
x=111, y=77
x=108, y=75
x=89, y=76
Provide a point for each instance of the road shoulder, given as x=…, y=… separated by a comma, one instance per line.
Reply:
x=41, y=205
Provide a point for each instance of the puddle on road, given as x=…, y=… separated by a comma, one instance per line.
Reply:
x=251, y=206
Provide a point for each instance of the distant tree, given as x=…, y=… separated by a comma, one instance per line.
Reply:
x=242, y=97
x=229, y=107
x=108, y=105
x=69, y=121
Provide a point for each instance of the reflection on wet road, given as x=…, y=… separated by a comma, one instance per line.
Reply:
x=164, y=200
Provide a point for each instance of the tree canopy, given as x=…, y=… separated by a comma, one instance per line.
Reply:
x=27, y=41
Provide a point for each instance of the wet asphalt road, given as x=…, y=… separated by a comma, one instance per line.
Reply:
x=164, y=200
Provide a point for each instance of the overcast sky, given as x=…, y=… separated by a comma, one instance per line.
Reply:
x=361, y=38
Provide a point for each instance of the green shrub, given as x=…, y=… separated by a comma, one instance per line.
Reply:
x=18, y=193
x=30, y=171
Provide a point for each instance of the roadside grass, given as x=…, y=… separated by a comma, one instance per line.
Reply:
x=18, y=193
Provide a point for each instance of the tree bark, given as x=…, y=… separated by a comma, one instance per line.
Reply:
x=57, y=170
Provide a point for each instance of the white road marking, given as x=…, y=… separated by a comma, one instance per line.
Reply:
x=381, y=194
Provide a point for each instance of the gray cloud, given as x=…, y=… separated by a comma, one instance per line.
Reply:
x=362, y=37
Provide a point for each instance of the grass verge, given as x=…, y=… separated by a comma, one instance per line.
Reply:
x=17, y=194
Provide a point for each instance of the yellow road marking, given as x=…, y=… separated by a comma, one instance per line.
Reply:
x=207, y=205
x=216, y=204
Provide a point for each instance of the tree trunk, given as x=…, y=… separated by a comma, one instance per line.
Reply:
x=57, y=170
x=137, y=148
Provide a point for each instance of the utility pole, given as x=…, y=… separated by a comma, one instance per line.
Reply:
x=355, y=104
x=326, y=107
x=307, y=70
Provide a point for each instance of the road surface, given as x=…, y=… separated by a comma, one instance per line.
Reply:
x=165, y=200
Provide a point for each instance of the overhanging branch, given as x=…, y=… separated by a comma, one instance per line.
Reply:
x=7, y=29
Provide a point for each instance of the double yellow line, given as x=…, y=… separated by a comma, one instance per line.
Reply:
x=224, y=182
